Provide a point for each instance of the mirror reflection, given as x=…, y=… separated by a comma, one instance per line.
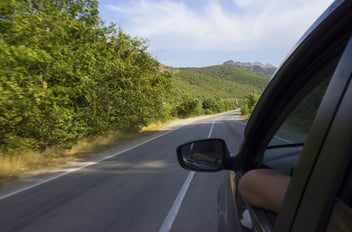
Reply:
x=206, y=155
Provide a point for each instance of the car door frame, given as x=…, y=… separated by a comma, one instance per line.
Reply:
x=260, y=129
x=261, y=220
x=326, y=156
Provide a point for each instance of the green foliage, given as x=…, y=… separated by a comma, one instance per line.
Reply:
x=188, y=107
x=219, y=88
x=219, y=82
x=248, y=105
x=65, y=75
x=226, y=81
x=211, y=105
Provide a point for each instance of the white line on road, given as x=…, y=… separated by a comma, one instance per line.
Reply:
x=168, y=221
x=171, y=216
x=211, y=129
x=282, y=139
x=82, y=167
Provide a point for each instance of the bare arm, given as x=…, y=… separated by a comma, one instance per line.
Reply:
x=264, y=188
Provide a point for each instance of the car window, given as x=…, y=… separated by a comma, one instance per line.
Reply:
x=295, y=128
x=287, y=143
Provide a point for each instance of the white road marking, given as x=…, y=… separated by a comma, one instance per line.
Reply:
x=169, y=220
x=211, y=129
x=282, y=139
x=82, y=167
x=171, y=216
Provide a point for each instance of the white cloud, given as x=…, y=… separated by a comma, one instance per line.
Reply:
x=252, y=24
x=166, y=22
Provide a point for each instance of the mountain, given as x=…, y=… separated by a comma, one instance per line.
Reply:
x=219, y=81
x=266, y=69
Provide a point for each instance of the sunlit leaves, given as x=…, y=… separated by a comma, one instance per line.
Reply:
x=65, y=75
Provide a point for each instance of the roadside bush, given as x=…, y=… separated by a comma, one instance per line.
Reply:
x=249, y=103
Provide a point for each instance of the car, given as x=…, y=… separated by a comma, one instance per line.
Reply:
x=301, y=127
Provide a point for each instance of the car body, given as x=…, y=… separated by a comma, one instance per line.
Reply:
x=302, y=127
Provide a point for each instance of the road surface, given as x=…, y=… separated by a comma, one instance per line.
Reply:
x=139, y=188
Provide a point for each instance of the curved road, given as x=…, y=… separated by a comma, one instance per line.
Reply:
x=141, y=188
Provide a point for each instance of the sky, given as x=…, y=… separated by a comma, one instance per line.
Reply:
x=198, y=33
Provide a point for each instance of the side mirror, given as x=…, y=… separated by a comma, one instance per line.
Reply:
x=208, y=155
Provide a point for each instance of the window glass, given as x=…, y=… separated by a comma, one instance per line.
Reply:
x=295, y=128
x=287, y=143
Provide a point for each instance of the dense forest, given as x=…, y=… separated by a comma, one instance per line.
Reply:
x=65, y=75
x=218, y=88
x=223, y=81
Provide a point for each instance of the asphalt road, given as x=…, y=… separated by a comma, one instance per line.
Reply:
x=141, y=188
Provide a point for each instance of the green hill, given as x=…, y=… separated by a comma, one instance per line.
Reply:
x=212, y=89
x=220, y=81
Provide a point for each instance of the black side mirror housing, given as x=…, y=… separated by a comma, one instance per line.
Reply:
x=207, y=155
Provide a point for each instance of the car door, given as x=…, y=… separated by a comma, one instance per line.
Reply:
x=340, y=218
x=329, y=156
x=285, y=139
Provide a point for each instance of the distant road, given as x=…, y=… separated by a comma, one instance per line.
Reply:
x=141, y=188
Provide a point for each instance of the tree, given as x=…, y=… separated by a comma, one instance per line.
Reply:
x=65, y=75
x=189, y=106
x=250, y=102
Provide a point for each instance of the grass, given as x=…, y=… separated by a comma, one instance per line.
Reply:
x=22, y=162
x=16, y=164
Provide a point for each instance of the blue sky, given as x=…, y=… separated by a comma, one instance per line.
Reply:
x=198, y=33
